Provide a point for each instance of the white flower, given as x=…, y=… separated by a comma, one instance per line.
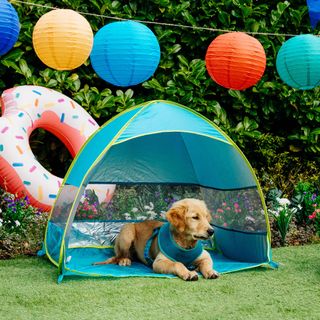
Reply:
x=249, y=218
x=151, y=205
x=141, y=218
x=127, y=216
x=283, y=202
x=0, y=210
x=17, y=223
x=134, y=210
x=147, y=208
x=1, y=220
x=274, y=212
x=152, y=214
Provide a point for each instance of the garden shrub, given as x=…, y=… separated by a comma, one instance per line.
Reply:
x=21, y=226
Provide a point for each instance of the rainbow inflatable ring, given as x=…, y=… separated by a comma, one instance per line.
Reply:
x=25, y=109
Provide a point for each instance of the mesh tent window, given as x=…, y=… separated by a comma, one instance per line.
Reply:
x=144, y=159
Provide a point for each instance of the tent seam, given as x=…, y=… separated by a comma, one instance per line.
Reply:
x=173, y=131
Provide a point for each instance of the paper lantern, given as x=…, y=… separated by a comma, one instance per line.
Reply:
x=125, y=53
x=9, y=26
x=298, y=62
x=62, y=39
x=235, y=60
x=314, y=12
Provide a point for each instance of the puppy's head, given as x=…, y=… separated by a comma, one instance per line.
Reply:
x=191, y=217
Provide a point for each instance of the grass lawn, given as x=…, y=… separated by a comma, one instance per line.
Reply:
x=28, y=290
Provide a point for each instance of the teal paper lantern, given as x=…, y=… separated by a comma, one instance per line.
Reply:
x=9, y=26
x=125, y=53
x=298, y=62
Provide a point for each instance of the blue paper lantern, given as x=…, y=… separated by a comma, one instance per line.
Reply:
x=125, y=53
x=298, y=62
x=314, y=12
x=9, y=26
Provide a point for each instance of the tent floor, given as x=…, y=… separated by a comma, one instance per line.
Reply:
x=80, y=262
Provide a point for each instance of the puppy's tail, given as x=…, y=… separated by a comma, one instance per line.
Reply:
x=113, y=260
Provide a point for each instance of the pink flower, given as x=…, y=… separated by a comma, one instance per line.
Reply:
x=236, y=205
x=225, y=224
x=220, y=210
x=313, y=215
x=228, y=208
x=90, y=216
x=224, y=204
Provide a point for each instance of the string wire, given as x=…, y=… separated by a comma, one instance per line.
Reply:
x=156, y=22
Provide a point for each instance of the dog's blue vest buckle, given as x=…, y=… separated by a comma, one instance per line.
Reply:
x=170, y=248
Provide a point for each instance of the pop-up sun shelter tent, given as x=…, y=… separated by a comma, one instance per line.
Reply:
x=155, y=154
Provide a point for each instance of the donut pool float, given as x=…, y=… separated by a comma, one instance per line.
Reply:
x=25, y=109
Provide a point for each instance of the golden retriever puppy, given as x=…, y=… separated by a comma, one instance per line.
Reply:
x=171, y=247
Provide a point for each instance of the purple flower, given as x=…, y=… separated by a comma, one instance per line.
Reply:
x=9, y=200
x=314, y=196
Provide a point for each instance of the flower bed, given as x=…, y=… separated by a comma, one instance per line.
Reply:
x=293, y=222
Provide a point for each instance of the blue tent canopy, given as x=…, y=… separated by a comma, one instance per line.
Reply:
x=153, y=154
x=161, y=142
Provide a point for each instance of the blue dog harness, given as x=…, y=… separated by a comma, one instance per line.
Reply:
x=170, y=248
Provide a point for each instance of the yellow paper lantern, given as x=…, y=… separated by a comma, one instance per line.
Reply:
x=62, y=39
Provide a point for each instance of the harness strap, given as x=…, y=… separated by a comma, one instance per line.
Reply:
x=148, y=247
x=170, y=248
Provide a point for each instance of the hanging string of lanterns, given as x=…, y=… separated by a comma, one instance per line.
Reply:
x=127, y=53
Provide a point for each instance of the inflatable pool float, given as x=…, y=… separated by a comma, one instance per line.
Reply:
x=25, y=109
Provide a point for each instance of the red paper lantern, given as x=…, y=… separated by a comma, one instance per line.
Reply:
x=235, y=60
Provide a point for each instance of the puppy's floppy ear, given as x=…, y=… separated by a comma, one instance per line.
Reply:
x=176, y=216
x=209, y=216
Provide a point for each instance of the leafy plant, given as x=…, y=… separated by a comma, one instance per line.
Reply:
x=282, y=214
x=306, y=200
x=21, y=226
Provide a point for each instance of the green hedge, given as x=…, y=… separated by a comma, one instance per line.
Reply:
x=267, y=121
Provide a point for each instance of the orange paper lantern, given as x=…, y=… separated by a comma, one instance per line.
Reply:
x=235, y=60
x=62, y=39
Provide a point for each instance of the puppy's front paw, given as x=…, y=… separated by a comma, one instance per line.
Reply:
x=190, y=276
x=124, y=262
x=211, y=274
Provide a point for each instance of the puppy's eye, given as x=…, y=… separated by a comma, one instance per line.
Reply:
x=195, y=218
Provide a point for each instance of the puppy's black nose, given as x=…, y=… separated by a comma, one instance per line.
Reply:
x=210, y=232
